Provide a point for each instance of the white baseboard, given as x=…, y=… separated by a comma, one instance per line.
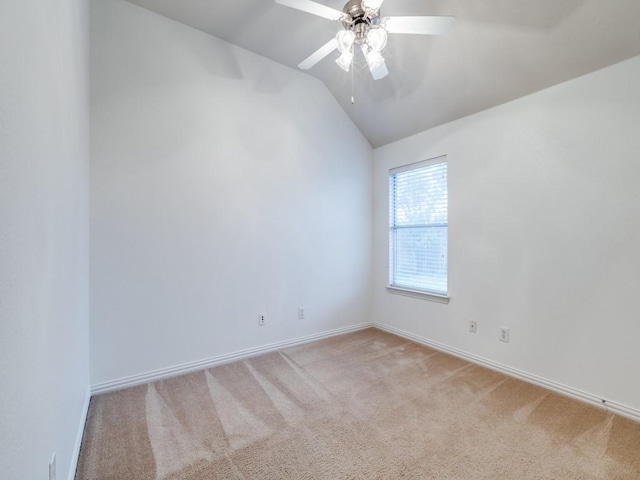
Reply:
x=609, y=405
x=168, y=372
x=188, y=367
x=75, y=454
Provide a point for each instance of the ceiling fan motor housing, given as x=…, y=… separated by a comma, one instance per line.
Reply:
x=359, y=20
x=354, y=8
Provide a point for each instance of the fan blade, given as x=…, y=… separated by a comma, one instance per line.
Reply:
x=373, y=4
x=313, y=8
x=380, y=72
x=319, y=54
x=419, y=25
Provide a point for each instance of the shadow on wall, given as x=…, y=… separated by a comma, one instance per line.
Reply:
x=272, y=80
x=215, y=56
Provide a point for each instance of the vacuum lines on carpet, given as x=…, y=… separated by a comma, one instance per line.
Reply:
x=366, y=405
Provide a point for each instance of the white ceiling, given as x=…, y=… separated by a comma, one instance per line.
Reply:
x=498, y=50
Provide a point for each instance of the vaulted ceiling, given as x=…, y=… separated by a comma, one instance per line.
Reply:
x=498, y=50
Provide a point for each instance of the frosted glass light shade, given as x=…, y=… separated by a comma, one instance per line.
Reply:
x=374, y=58
x=344, y=61
x=377, y=38
x=345, y=39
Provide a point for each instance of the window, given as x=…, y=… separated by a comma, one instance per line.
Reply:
x=418, y=227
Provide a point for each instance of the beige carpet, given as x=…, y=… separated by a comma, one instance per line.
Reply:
x=366, y=405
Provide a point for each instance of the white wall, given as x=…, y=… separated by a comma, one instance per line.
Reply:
x=544, y=233
x=44, y=236
x=223, y=185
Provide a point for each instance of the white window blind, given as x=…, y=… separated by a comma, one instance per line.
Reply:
x=418, y=224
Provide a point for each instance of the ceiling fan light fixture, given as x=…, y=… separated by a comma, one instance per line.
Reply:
x=365, y=27
x=377, y=38
x=344, y=61
x=374, y=58
x=345, y=39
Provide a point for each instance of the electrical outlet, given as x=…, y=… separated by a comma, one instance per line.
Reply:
x=52, y=468
x=262, y=319
x=473, y=326
x=300, y=313
x=504, y=334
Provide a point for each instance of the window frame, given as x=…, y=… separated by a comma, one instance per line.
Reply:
x=404, y=290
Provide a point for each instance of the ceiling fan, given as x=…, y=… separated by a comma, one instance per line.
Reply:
x=364, y=27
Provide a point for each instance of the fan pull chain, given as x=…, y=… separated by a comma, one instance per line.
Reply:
x=352, y=88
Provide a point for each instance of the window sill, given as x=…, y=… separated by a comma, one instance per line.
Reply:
x=433, y=297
